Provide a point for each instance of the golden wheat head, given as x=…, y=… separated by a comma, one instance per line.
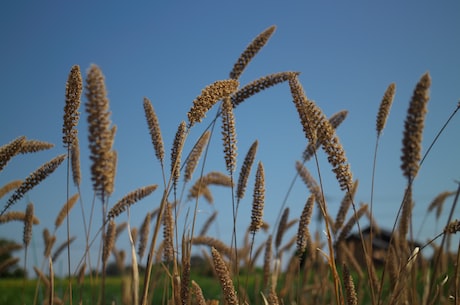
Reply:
x=74, y=88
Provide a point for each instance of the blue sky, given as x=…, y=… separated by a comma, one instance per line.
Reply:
x=347, y=53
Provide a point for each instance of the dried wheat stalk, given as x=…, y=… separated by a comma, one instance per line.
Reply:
x=251, y=50
x=213, y=242
x=208, y=97
x=199, y=297
x=7, y=263
x=65, y=210
x=32, y=146
x=318, y=128
x=10, y=150
x=246, y=170
x=185, y=276
x=258, y=200
x=229, y=134
x=74, y=87
x=144, y=234
x=75, y=162
x=130, y=199
x=344, y=206
x=384, y=109
x=352, y=298
x=208, y=223
x=267, y=260
x=154, y=130
x=17, y=216
x=453, y=227
x=9, y=187
x=413, y=128
x=201, y=185
x=176, y=152
x=282, y=226
x=438, y=202
x=9, y=247
x=109, y=240
x=34, y=179
x=49, y=241
x=168, y=234
x=303, y=232
x=195, y=154
x=28, y=222
x=224, y=277
x=61, y=248
x=100, y=136
x=346, y=229
x=260, y=84
x=406, y=215
x=309, y=181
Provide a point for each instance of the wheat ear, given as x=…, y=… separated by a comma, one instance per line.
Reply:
x=213, y=242
x=130, y=199
x=6, y=263
x=17, y=216
x=344, y=206
x=246, y=170
x=32, y=146
x=267, y=260
x=34, y=179
x=10, y=150
x=144, y=235
x=61, y=248
x=208, y=97
x=259, y=85
x=28, y=222
x=100, y=136
x=351, y=222
x=229, y=134
x=74, y=87
x=384, y=109
x=154, y=130
x=352, y=298
x=65, y=210
x=438, y=202
x=109, y=240
x=282, y=226
x=9, y=187
x=453, y=227
x=413, y=128
x=75, y=162
x=303, y=232
x=168, y=234
x=195, y=154
x=258, y=200
x=251, y=50
x=199, y=297
x=49, y=241
x=176, y=152
x=224, y=277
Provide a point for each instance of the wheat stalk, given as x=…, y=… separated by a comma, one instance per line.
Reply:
x=224, y=277
x=344, y=206
x=100, y=135
x=49, y=242
x=258, y=200
x=144, y=234
x=195, y=154
x=130, y=199
x=34, y=179
x=32, y=146
x=246, y=170
x=154, y=129
x=385, y=106
x=17, y=216
x=438, y=202
x=61, y=248
x=229, y=135
x=109, y=240
x=267, y=260
x=168, y=234
x=260, y=84
x=208, y=97
x=303, y=232
x=413, y=128
x=352, y=298
x=251, y=50
x=74, y=87
x=199, y=297
x=28, y=222
x=176, y=152
x=9, y=187
x=10, y=150
x=282, y=226
x=65, y=210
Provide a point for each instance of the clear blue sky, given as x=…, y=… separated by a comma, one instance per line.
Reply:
x=347, y=53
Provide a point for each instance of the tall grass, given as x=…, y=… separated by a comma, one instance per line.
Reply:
x=336, y=270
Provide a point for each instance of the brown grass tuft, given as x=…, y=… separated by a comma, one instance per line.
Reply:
x=251, y=50
x=384, y=109
x=154, y=129
x=246, y=170
x=10, y=150
x=130, y=199
x=224, y=277
x=65, y=210
x=195, y=154
x=413, y=128
x=267, y=260
x=229, y=134
x=74, y=87
x=34, y=179
x=208, y=97
x=258, y=200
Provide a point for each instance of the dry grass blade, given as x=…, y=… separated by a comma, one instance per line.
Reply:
x=246, y=170
x=154, y=129
x=192, y=160
x=384, y=109
x=224, y=277
x=208, y=97
x=229, y=134
x=260, y=84
x=130, y=199
x=73, y=90
x=413, y=128
x=251, y=50
x=65, y=210
x=34, y=179
x=9, y=187
x=10, y=150
x=100, y=136
x=258, y=200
